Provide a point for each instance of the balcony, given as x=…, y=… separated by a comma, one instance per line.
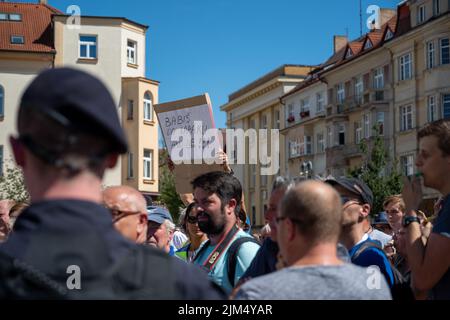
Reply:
x=352, y=150
x=304, y=114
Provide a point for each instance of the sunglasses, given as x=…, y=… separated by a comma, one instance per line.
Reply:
x=119, y=214
x=192, y=219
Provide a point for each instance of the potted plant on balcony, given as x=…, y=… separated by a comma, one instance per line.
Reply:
x=304, y=114
x=291, y=118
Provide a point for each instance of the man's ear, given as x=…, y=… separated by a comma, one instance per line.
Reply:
x=365, y=210
x=18, y=151
x=291, y=229
x=142, y=224
x=232, y=205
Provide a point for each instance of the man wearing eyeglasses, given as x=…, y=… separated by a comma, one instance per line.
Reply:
x=129, y=212
x=357, y=201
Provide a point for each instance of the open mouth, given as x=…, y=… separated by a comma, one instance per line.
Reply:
x=202, y=217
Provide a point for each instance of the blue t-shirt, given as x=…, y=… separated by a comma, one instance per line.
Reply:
x=373, y=256
x=441, y=290
x=219, y=273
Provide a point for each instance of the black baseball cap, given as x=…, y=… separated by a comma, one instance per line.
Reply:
x=81, y=100
x=354, y=185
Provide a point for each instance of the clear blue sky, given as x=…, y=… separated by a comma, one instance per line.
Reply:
x=219, y=46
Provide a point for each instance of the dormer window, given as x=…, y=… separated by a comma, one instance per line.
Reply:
x=3, y=16
x=421, y=14
x=15, y=17
x=389, y=35
x=349, y=53
x=368, y=44
x=17, y=40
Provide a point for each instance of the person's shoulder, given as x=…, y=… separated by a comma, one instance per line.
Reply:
x=249, y=246
x=255, y=288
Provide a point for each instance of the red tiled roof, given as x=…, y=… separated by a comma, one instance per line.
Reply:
x=36, y=27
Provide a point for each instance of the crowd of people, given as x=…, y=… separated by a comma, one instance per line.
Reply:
x=321, y=239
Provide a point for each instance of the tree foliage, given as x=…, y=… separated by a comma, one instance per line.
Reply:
x=378, y=171
x=12, y=184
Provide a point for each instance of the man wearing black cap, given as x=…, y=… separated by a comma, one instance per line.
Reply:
x=64, y=244
x=357, y=200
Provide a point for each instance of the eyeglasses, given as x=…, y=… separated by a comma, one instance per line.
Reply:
x=346, y=199
x=119, y=214
x=192, y=219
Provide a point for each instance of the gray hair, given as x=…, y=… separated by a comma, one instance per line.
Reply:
x=170, y=226
x=282, y=183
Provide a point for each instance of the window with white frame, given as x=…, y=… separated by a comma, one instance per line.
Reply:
x=17, y=39
x=407, y=163
x=436, y=7
x=130, y=169
x=366, y=121
x=263, y=122
x=421, y=14
x=430, y=55
x=132, y=52
x=320, y=142
x=304, y=105
x=380, y=123
x=130, y=110
x=446, y=106
x=148, y=164
x=290, y=109
x=88, y=47
x=340, y=93
x=359, y=88
x=358, y=132
x=406, y=118
x=445, y=50
x=329, y=137
x=378, y=78
x=405, y=67
x=2, y=101
x=389, y=35
x=432, y=109
x=148, y=107
x=320, y=100
x=15, y=17
x=308, y=145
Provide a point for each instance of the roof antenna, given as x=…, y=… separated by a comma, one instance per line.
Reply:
x=360, y=18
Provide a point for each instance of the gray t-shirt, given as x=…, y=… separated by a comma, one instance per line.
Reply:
x=343, y=282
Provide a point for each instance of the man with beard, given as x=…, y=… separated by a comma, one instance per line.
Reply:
x=217, y=196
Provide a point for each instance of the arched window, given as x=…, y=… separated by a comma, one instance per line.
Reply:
x=148, y=107
x=2, y=101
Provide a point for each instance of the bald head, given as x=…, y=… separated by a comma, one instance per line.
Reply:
x=316, y=209
x=129, y=210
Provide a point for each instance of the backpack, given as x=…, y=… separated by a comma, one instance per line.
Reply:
x=401, y=289
x=232, y=256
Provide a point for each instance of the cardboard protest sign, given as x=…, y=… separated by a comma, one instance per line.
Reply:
x=186, y=126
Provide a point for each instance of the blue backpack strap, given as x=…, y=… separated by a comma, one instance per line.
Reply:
x=232, y=256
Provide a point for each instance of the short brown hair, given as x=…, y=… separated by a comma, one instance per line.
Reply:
x=395, y=199
x=441, y=130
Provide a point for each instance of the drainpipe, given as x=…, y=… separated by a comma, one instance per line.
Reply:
x=394, y=128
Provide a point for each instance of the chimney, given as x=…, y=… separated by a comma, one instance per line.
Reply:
x=43, y=2
x=386, y=15
x=339, y=42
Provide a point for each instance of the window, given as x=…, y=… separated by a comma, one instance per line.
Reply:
x=378, y=78
x=340, y=93
x=341, y=136
x=380, y=123
x=308, y=144
x=320, y=143
x=148, y=107
x=366, y=120
x=432, y=109
x=359, y=88
x=349, y=53
x=405, y=66
x=15, y=17
x=148, y=161
x=421, y=14
x=329, y=137
x=368, y=44
x=131, y=52
x=436, y=7
x=17, y=40
x=88, y=47
x=445, y=51
x=3, y=16
x=389, y=35
x=263, y=122
x=406, y=118
x=277, y=119
x=1, y=161
x=130, y=166
x=446, y=106
x=430, y=55
x=2, y=101
x=130, y=110
x=304, y=105
x=407, y=163
x=320, y=102
x=358, y=132
x=290, y=110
